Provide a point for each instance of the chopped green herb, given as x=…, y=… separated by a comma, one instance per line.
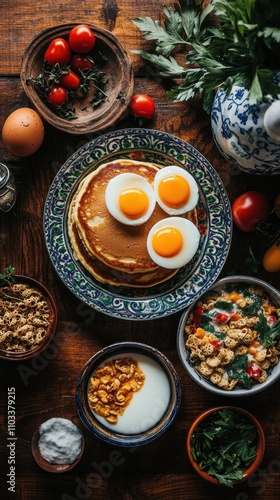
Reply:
x=225, y=305
x=237, y=370
x=224, y=445
x=267, y=333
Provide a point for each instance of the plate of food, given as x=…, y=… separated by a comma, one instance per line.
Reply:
x=119, y=261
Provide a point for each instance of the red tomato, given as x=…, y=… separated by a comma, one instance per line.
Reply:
x=70, y=80
x=221, y=318
x=142, y=106
x=81, y=39
x=253, y=371
x=216, y=344
x=196, y=315
x=59, y=52
x=249, y=209
x=57, y=96
x=80, y=62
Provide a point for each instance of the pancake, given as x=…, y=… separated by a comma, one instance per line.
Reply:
x=115, y=244
x=111, y=252
x=108, y=275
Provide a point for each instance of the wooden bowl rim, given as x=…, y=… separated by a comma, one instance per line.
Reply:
x=22, y=356
x=259, y=450
x=104, y=116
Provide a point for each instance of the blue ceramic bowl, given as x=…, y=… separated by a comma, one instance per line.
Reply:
x=152, y=409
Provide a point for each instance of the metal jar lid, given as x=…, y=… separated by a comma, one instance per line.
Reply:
x=4, y=175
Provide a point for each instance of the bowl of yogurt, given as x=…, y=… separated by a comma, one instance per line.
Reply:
x=128, y=394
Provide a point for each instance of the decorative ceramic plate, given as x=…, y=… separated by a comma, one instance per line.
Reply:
x=214, y=218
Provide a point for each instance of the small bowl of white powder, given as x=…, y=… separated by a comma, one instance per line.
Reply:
x=58, y=445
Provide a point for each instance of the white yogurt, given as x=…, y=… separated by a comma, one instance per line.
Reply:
x=149, y=404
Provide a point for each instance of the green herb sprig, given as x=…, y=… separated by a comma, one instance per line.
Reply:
x=267, y=333
x=242, y=49
x=224, y=445
x=8, y=275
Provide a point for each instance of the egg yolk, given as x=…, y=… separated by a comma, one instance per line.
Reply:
x=174, y=191
x=167, y=241
x=133, y=202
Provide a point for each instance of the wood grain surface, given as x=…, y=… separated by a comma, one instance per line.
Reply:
x=45, y=387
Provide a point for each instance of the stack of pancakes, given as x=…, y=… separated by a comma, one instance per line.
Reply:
x=113, y=252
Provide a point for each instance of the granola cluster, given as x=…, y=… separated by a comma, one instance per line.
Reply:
x=24, y=317
x=112, y=386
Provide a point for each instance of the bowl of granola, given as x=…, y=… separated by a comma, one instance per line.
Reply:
x=229, y=340
x=128, y=394
x=28, y=317
x=77, y=89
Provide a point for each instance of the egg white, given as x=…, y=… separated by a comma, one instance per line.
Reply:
x=191, y=237
x=193, y=198
x=123, y=181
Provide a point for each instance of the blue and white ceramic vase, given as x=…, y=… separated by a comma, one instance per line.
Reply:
x=248, y=136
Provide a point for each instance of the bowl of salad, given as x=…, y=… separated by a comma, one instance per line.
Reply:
x=225, y=445
x=229, y=340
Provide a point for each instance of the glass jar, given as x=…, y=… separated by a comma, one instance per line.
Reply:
x=7, y=189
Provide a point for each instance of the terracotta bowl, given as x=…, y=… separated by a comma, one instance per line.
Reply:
x=47, y=466
x=151, y=410
x=259, y=448
x=22, y=356
x=273, y=373
x=118, y=70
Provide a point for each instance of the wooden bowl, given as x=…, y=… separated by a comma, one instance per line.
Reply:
x=25, y=355
x=47, y=466
x=118, y=70
x=259, y=449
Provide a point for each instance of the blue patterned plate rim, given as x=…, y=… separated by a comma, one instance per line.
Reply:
x=190, y=282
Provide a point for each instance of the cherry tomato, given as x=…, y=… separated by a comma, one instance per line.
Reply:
x=142, y=106
x=80, y=62
x=249, y=209
x=196, y=315
x=81, y=39
x=59, y=52
x=253, y=370
x=216, y=344
x=57, y=95
x=70, y=80
x=221, y=318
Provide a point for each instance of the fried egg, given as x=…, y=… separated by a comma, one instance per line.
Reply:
x=172, y=242
x=176, y=190
x=130, y=198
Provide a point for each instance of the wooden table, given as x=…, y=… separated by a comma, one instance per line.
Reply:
x=161, y=469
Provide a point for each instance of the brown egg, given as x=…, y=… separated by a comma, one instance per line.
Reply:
x=23, y=132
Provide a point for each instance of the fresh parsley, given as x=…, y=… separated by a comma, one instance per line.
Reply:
x=267, y=333
x=242, y=48
x=8, y=275
x=224, y=445
x=237, y=370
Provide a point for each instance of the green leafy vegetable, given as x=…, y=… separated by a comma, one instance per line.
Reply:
x=225, y=305
x=242, y=49
x=237, y=370
x=224, y=445
x=267, y=333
